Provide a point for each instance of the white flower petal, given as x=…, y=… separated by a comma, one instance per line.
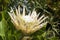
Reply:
x=41, y=25
x=33, y=15
x=19, y=10
x=29, y=13
x=36, y=28
x=23, y=11
x=37, y=15
x=41, y=17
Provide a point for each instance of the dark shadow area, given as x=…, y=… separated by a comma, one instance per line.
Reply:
x=1, y=38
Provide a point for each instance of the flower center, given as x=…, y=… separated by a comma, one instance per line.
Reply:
x=28, y=18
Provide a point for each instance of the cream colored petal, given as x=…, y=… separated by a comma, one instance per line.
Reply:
x=11, y=15
x=36, y=28
x=23, y=11
x=41, y=25
x=33, y=15
x=29, y=13
x=37, y=16
x=43, y=19
x=11, y=9
x=33, y=26
x=16, y=25
x=17, y=13
x=19, y=10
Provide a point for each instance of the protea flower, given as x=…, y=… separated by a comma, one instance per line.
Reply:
x=27, y=23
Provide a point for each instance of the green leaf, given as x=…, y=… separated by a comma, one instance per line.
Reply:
x=3, y=26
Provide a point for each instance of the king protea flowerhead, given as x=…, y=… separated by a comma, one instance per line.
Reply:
x=27, y=23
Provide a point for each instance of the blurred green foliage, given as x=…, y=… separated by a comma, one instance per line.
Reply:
x=49, y=7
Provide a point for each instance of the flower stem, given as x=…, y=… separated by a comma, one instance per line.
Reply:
x=26, y=38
